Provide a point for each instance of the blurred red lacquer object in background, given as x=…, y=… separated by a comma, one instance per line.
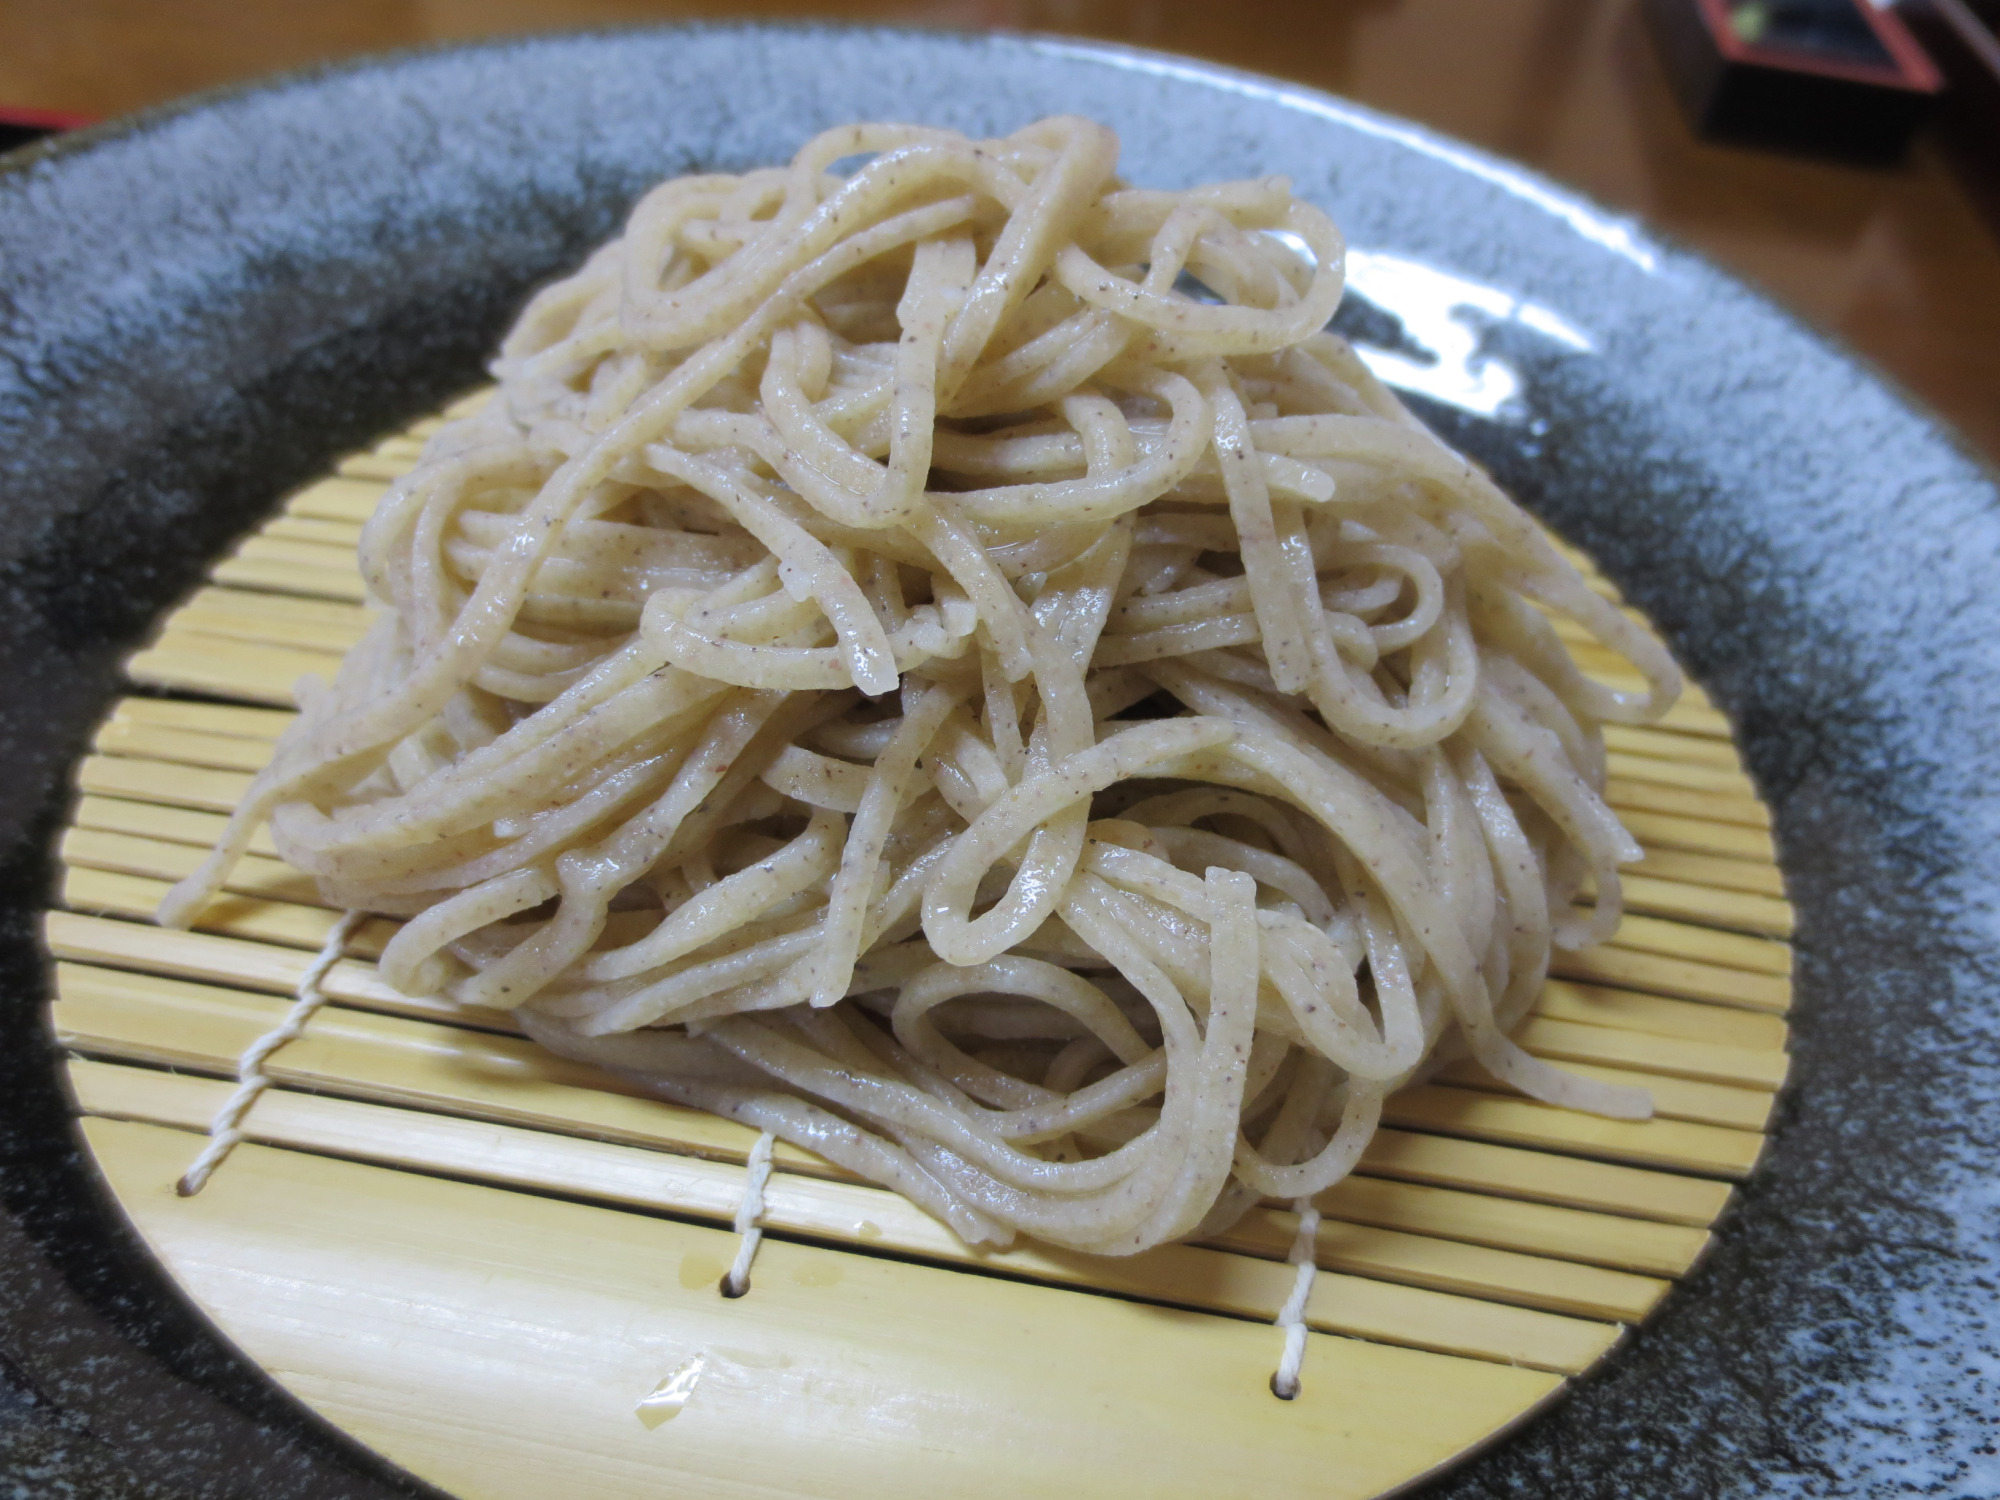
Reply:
x=20, y=126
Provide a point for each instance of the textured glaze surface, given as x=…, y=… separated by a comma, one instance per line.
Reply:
x=199, y=311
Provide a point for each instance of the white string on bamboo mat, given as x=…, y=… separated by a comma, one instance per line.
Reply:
x=748, y=1210
x=226, y=1129
x=1292, y=1316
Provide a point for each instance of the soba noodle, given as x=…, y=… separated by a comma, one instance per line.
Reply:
x=947, y=661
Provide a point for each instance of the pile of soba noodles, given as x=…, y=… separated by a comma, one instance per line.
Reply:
x=946, y=661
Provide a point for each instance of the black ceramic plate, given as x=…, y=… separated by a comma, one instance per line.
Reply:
x=201, y=308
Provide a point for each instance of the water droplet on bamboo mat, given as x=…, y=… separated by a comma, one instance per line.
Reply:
x=664, y=1402
x=699, y=1271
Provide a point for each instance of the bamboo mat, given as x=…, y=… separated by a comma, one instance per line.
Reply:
x=501, y=1269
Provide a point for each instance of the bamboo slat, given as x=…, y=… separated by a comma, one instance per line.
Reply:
x=1446, y=1265
x=1695, y=868
x=1627, y=794
x=1651, y=740
x=199, y=956
x=1714, y=1062
x=1673, y=1098
x=1752, y=955
x=291, y=575
x=1658, y=830
x=1687, y=978
x=160, y=860
x=444, y=1322
x=1650, y=1248
x=1677, y=1145
x=448, y=1204
x=1675, y=771
x=179, y=825
x=100, y=955
x=375, y=466
x=264, y=546
x=345, y=535
x=227, y=668
x=1769, y=916
x=309, y=624
x=106, y=892
x=306, y=927
x=1695, y=776
x=386, y=1059
x=603, y=1172
x=210, y=718
x=1596, y=1005
x=152, y=781
x=254, y=875
x=1691, y=717
x=337, y=499
x=1544, y=1178
x=1723, y=908
x=188, y=747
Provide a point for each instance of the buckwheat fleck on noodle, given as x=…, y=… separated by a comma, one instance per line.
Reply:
x=950, y=663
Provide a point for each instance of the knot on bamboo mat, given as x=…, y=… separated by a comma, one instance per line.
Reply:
x=736, y=1280
x=226, y=1129
x=1292, y=1316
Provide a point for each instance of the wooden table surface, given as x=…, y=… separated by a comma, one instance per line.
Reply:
x=1896, y=262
